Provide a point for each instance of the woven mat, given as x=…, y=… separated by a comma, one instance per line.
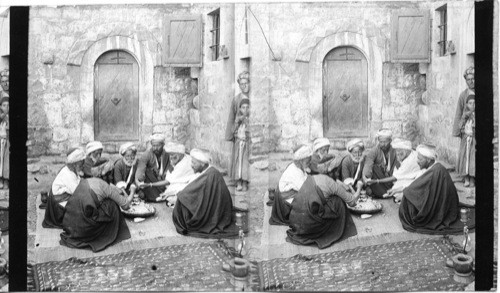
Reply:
x=417, y=265
x=190, y=267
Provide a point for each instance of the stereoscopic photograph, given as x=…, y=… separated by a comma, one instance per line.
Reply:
x=281, y=146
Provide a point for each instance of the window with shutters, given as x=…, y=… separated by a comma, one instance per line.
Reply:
x=215, y=32
x=410, y=36
x=442, y=17
x=183, y=41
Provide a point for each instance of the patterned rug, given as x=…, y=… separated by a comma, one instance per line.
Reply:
x=417, y=265
x=190, y=267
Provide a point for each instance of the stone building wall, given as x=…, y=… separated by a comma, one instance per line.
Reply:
x=60, y=85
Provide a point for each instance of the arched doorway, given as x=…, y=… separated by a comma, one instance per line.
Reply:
x=345, y=93
x=116, y=97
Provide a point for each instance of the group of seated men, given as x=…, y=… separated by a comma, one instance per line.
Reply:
x=89, y=192
x=315, y=188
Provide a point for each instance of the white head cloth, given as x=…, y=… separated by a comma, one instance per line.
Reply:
x=121, y=184
x=384, y=132
x=173, y=147
x=427, y=151
x=93, y=146
x=200, y=155
x=75, y=156
x=127, y=146
x=356, y=142
x=320, y=142
x=400, y=143
x=157, y=137
x=302, y=152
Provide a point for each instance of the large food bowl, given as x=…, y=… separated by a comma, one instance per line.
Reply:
x=141, y=209
x=366, y=206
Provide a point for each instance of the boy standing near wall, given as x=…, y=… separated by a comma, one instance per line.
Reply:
x=4, y=143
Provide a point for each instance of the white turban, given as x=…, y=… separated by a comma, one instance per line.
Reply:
x=400, y=143
x=157, y=137
x=127, y=146
x=75, y=156
x=384, y=132
x=93, y=146
x=121, y=184
x=302, y=152
x=200, y=155
x=175, y=148
x=320, y=142
x=427, y=151
x=356, y=142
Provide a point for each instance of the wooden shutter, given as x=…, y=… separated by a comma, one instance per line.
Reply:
x=182, y=44
x=410, y=36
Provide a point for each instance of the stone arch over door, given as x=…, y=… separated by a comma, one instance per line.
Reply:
x=374, y=58
x=146, y=79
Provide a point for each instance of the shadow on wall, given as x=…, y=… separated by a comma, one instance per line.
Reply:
x=39, y=134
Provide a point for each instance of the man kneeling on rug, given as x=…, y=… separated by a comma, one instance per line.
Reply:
x=93, y=217
x=430, y=204
x=319, y=215
x=204, y=207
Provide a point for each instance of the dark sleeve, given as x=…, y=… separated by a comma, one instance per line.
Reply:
x=114, y=194
x=230, y=121
x=369, y=161
x=87, y=168
x=118, y=175
x=458, y=115
x=142, y=164
x=345, y=170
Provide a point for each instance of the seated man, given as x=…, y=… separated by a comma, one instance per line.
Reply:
x=430, y=204
x=289, y=185
x=125, y=168
x=380, y=162
x=181, y=174
x=352, y=164
x=204, y=207
x=93, y=217
x=409, y=169
x=152, y=167
x=405, y=173
x=95, y=165
x=62, y=188
x=319, y=215
x=321, y=159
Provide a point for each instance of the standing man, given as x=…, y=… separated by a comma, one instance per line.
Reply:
x=244, y=83
x=469, y=79
x=379, y=164
x=152, y=167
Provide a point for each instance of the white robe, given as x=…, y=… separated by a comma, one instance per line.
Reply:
x=66, y=181
x=180, y=176
x=407, y=172
x=292, y=179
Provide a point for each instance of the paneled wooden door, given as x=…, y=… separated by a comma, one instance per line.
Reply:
x=345, y=93
x=116, y=97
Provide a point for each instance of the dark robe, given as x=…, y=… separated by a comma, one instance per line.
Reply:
x=430, y=204
x=281, y=208
x=375, y=167
x=317, y=220
x=88, y=164
x=149, y=172
x=462, y=100
x=204, y=208
x=121, y=172
x=54, y=212
x=89, y=223
x=348, y=169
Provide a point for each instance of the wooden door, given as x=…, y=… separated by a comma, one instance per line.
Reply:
x=345, y=93
x=116, y=97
